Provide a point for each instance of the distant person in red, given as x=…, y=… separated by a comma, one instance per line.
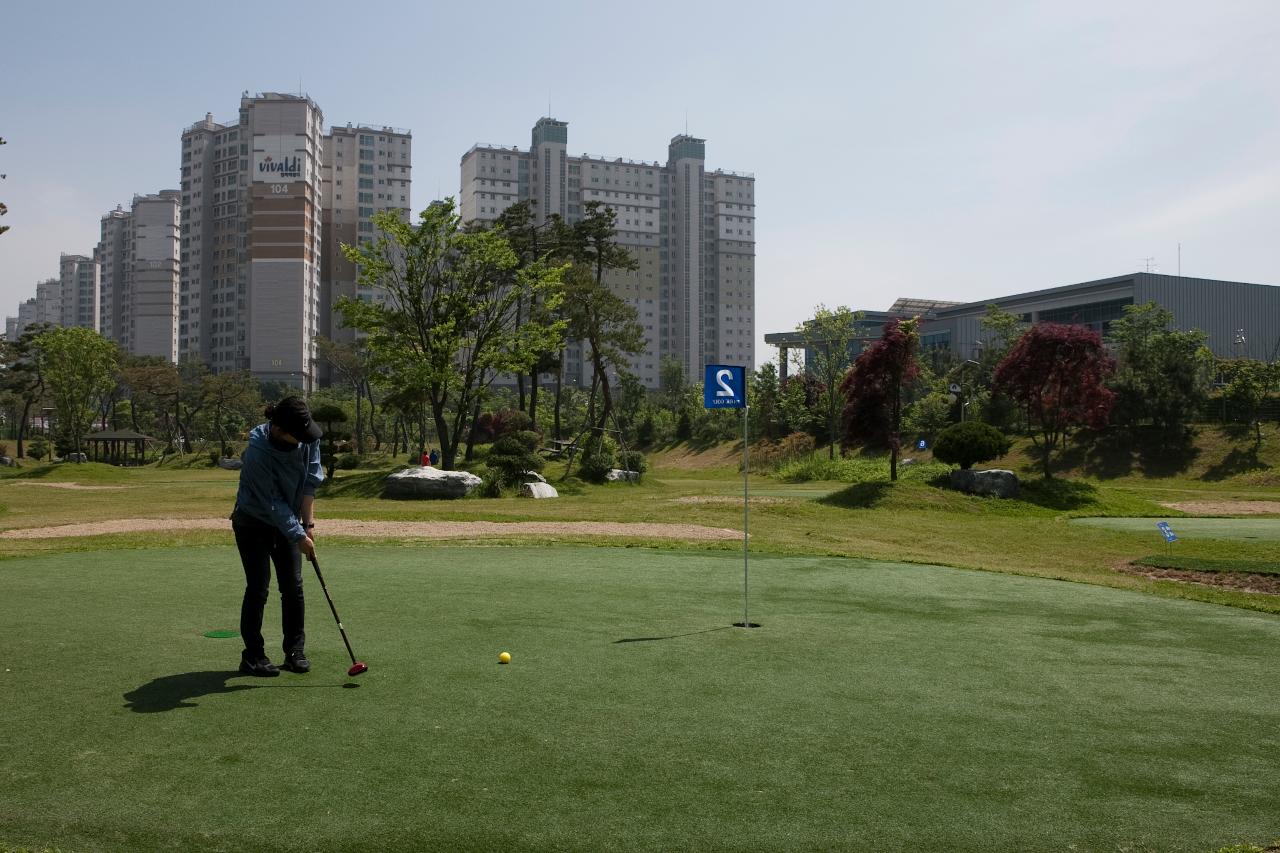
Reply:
x=426, y=459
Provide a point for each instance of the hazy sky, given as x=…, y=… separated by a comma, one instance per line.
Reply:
x=957, y=150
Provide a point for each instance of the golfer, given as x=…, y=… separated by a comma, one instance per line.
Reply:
x=273, y=522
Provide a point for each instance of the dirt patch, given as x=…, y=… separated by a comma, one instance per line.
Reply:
x=74, y=486
x=394, y=529
x=723, y=499
x=1221, y=508
x=1266, y=584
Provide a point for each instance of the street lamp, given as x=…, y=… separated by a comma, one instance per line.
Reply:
x=964, y=405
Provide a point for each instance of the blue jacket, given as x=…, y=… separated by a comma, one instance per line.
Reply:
x=273, y=482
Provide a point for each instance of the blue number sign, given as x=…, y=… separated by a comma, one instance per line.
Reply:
x=1166, y=531
x=724, y=387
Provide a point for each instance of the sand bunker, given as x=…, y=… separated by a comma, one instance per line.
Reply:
x=75, y=486
x=1227, y=507
x=394, y=529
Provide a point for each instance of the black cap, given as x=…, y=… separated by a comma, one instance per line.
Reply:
x=292, y=415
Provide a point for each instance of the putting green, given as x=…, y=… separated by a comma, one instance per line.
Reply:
x=1193, y=528
x=881, y=706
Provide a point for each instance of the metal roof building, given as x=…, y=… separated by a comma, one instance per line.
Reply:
x=1241, y=319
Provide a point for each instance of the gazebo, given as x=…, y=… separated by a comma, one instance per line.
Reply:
x=112, y=446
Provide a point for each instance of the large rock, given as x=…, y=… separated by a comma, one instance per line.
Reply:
x=6, y=461
x=75, y=457
x=618, y=475
x=429, y=483
x=230, y=463
x=533, y=477
x=538, y=490
x=996, y=482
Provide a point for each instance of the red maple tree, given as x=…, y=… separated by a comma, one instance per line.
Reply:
x=872, y=389
x=1057, y=374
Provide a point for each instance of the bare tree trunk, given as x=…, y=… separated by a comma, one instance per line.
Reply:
x=559, y=396
x=471, y=434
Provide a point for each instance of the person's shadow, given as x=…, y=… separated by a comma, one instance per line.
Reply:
x=172, y=691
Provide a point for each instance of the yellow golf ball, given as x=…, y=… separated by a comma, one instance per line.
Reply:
x=504, y=657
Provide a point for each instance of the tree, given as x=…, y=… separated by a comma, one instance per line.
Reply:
x=78, y=365
x=930, y=415
x=1057, y=374
x=872, y=389
x=1248, y=384
x=3, y=208
x=971, y=442
x=154, y=387
x=1163, y=375
x=534, y=244
x=447, y=326
x=232, y=399
x=23, y=382
x=598, y=317
x=764, y=394
x=351, y=362
x=829, y=339
x=329, y=414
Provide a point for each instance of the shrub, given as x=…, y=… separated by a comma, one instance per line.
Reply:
x=968, y=443
x=38, y=447
x=512, y=455
x=633, y=460
x=490, y=426
x=348, y=462
x=4, y=449
x=214, y=456
x=599, y=454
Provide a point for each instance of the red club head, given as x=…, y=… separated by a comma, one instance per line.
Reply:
x=357, y=668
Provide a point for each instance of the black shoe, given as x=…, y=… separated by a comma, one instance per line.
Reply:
x=258, y=666
x=297, y=662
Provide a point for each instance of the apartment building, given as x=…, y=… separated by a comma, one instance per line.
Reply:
x=692, y=233
x=139, y=258
x=363, y=170
x=250, y=251
x=49, y=302
x=78, y=275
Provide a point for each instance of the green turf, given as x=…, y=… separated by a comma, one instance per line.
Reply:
x=881, y=707
x=1264, y=529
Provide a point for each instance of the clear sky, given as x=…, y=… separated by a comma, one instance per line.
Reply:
x=953, y=150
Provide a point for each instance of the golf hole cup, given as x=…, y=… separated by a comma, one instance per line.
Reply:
x=504, y=657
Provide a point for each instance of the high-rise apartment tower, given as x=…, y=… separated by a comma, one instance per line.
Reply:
x=139, y=256
x=79, y=277
x=364, y=170
x=251, y=246
x=692, y=233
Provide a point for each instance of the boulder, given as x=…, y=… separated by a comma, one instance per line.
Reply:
x=428, y=483
x=75, y=457
x=996, y=482
x=538, y=490
x=230, y=463
x=6, y=461
x=617, y=474
x=533, y=477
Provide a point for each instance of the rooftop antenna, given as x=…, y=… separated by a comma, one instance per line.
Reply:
x=1179, y=259
x=1149, y=262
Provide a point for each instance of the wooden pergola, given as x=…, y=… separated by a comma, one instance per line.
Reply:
x=112, y=446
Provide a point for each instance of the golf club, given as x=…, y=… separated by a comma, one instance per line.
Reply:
x=357, y=666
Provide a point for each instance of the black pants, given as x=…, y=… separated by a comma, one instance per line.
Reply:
x=260, y=545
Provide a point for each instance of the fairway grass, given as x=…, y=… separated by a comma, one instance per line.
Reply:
x=881, y=706
x=1235, y=529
